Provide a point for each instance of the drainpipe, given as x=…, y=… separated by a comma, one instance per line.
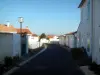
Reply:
x=92, y=31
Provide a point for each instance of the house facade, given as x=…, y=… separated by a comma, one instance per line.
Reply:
x=43, y=41
x=53, y=39
x=9, y=42
x=62, y=40
x=89, y=28
x=32, y=39
x=71, y=40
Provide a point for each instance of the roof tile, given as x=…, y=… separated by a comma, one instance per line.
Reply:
x=5, y=28
x=27, y=31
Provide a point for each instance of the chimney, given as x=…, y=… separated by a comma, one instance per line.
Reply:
x=27, y=27
x=8, y=23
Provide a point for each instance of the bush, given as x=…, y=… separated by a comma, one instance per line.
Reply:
x=93, y=66
x=1, y=69
x=15, y=58
x=8, y=61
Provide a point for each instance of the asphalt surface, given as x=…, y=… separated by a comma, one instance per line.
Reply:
x=55, y=60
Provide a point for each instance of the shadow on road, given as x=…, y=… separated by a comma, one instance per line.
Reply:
x=54, y=60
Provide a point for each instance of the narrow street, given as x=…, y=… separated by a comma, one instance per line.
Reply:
x=54, y=60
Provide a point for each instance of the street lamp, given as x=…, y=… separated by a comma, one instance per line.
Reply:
x=21, y=20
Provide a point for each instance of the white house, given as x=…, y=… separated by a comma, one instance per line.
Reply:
x=62, y=40
x=32, y=39
x=43, y=41
x=71, y=39
x=89, y=28
x=53, y=39
x=9, y=42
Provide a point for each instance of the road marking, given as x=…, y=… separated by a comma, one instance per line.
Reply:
x=32, y=57
x=24, y=62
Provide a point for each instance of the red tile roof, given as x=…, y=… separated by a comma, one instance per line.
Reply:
x=82, y=3
x=50, y=36
x=34, y=35
x=11, y=29
x=5, y=28
x=26, y=30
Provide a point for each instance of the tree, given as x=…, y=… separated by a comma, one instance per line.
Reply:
x=48, y=39
x=41, y=37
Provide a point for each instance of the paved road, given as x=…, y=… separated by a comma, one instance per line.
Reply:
x=54, y=60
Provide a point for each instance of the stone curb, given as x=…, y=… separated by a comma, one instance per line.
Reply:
x=24, y=62
x=86, y=70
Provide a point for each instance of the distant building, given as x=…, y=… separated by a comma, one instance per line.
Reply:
x=34, y=41
x=71, y=39
x=53, y=39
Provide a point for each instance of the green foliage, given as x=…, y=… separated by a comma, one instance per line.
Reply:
x=47, y=38
x=15, y=58
x=8, y=61
x=42, y=36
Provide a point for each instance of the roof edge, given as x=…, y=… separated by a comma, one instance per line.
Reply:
x=71, y=33
x=7, y=32
x=82, y=3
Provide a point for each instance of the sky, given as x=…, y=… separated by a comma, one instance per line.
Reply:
x=42, y=16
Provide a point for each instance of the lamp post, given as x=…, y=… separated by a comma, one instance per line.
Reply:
x=20, y=20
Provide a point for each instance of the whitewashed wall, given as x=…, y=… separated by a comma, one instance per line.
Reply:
x=70, y=41
x=42, y=41
x=62, y=40
x=96, y=30
x=16, y=45
x=54, y=40
x=84, y=29
x=9, y=45
x=6, y=45
x=33, y=42
x=67, y=40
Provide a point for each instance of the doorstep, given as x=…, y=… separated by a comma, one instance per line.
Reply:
x=86, y=70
